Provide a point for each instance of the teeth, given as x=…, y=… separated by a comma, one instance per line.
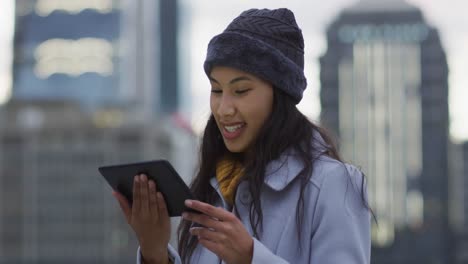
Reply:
x=232, y=128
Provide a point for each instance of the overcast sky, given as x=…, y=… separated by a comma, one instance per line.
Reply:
x=203, y=19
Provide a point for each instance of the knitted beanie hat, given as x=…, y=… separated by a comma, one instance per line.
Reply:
x=266, y=43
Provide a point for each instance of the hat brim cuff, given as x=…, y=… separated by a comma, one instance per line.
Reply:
x=256, y=57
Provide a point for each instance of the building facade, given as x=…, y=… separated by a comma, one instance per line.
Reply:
x=465, y=182
x=98, y=53
x=87, y=91
x=54, y=205
x=459, y=198
x=384, y=94
x=67, y=51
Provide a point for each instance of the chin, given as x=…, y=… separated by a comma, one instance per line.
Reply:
x=235, y=148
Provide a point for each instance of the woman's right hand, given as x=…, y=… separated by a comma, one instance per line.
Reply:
x=149, y=218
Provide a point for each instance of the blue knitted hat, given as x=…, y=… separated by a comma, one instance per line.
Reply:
x=266, y=43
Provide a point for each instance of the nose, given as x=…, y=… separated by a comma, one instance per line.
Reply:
x=226, y=106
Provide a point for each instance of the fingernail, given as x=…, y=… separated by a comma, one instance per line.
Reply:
x=136, y=178
x=188, y=203
x=184, y=215
x=195, y=228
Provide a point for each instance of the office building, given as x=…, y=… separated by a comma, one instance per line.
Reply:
x=87, y=90
x=55, y=207
x=384, y=94
x=98, y=53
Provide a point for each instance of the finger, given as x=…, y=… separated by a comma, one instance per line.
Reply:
x=204, y=220
x=144, y=194
x=153, y=200
x=208, y=234
x=210, y=210
x=124, y=205
x=216, y=248
x=136, y=207
x=163, y=213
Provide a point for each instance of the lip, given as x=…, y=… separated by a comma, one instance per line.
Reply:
x=232, y=135
x=230, y=123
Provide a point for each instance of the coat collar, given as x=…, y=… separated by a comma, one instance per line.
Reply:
x=281, y=172
x=278, y=174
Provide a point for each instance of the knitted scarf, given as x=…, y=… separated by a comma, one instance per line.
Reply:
x=229, y=173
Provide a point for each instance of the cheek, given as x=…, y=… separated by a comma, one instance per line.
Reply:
x=266, y=107
x=213, y=104
x=259, y=116
x=265, y=114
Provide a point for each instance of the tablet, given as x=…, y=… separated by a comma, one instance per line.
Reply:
x=168, y=182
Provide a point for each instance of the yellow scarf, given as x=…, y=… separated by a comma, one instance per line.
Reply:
x=229, y=173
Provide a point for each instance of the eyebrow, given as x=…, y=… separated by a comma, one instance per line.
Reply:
x=238, y=79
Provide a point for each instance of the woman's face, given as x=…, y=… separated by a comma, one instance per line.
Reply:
x=240, y=103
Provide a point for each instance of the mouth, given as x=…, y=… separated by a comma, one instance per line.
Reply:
x=232, y=131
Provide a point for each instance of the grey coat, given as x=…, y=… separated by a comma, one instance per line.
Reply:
x=336, y=224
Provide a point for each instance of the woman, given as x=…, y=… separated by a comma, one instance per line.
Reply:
x=271, y=187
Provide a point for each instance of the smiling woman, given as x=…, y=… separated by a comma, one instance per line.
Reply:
x=271, y=187
x=6, y=49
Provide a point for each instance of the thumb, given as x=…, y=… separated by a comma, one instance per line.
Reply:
x=124, y=205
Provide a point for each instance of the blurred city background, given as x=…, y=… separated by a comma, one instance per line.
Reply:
x=85, y=83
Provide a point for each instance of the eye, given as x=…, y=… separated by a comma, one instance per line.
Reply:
x=242, y=91
x=216, y=91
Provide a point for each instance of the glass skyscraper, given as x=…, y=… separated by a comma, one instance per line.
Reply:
x=67, y=50
x=98, y=53
x=86, y=92
x=384, y=93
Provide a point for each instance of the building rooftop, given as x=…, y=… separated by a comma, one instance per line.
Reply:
x=370, y=6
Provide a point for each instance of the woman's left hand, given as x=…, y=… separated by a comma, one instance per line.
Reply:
x=222, y=232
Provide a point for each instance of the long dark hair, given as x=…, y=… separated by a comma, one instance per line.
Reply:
x=286, y=128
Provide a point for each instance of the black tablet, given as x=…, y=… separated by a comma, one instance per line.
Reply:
x=168, y=182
